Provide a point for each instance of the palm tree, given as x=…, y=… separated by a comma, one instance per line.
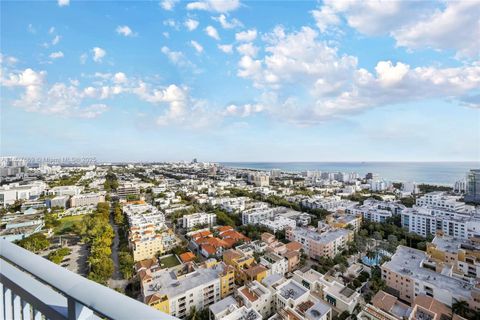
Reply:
x=371, y=254
x=460, y=307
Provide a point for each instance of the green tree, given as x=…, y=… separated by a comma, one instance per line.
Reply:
x=461, y=308
x=36, y=242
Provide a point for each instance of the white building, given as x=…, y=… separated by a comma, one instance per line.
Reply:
x=274, y=263
x=66, y=190
x=278, y=223
x=428, y=220
x=441, y=200
x=256, y=215
x=229, y=309
x=198, y=219
x=185, y=289
x=86, y=199
x=12, y=192
x=255, y=296
x=377, y=211
x=332, y=291
x=460, y=186
x=126, y=189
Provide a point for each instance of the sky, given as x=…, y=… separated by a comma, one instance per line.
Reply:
x=241, y=80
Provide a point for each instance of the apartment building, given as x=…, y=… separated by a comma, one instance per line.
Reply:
x=440, y=199
x=198, y=219
x=87, y=199
x=126, y=189
x=257, y=215
x=178, y=291
x=411, y=273
x=278, y=223
x=343, y=220
x=257, y=297
x=148, y=234
x=259, y=180
x=274, y=263
x=328, y=289
x=245, y=267
x=333, y=203
x=463, y=255
x=230, y=204
x=66, y=190
x=387, y=307
x=316, y=245
x=430, y=220
x=377, y=211
x=142, y=214
x=58, y=201
x=472, y=193
x=231, y=309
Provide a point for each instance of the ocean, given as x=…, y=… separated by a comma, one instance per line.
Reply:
x=441, y=173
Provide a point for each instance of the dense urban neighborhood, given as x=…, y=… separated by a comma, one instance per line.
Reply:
x=202, y=240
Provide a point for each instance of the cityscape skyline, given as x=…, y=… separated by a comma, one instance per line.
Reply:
x=220, y=81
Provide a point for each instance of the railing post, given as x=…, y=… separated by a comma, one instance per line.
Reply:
x=77, y=311
x=26, y=310
x=37, y=315
x=2, y=295
x=17, y=307
x=7, y=293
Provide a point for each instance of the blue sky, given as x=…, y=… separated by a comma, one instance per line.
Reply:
x=241, y=80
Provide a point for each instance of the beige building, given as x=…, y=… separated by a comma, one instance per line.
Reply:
x=81, y=200
x=463, y=255
x=316, y=245
x=411, y=273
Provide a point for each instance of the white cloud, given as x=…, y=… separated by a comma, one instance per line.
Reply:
x=227, y=48
x=446, y=29
x=56, y=40
x=325, y=17
x=177, y=58
x=63, y=3
x=246, y=36
x=9, y=60
x=214, y=5
x=168, y=4
x=125, y=31
x=191, y=24
x=247, y=49
x=305, y=81
x=51, y=30
x=243, y=110
x=388, y=74
x=196, y=46
x=413, y=24
x=31, y=29
x=212, y=32
x=175, y=105
x=83, y=58
x=25, y=78
x=373, y=17
x=171, y=23
x=119, y=78
x=233, y=23
x=56, y=55
x=98, y=54
x=93, y=111
x=59, y=98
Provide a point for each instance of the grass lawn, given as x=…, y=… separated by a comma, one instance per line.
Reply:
x=66, y=224
x=169, y=262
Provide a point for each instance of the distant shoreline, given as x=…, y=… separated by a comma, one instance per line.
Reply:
x=440, y=173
